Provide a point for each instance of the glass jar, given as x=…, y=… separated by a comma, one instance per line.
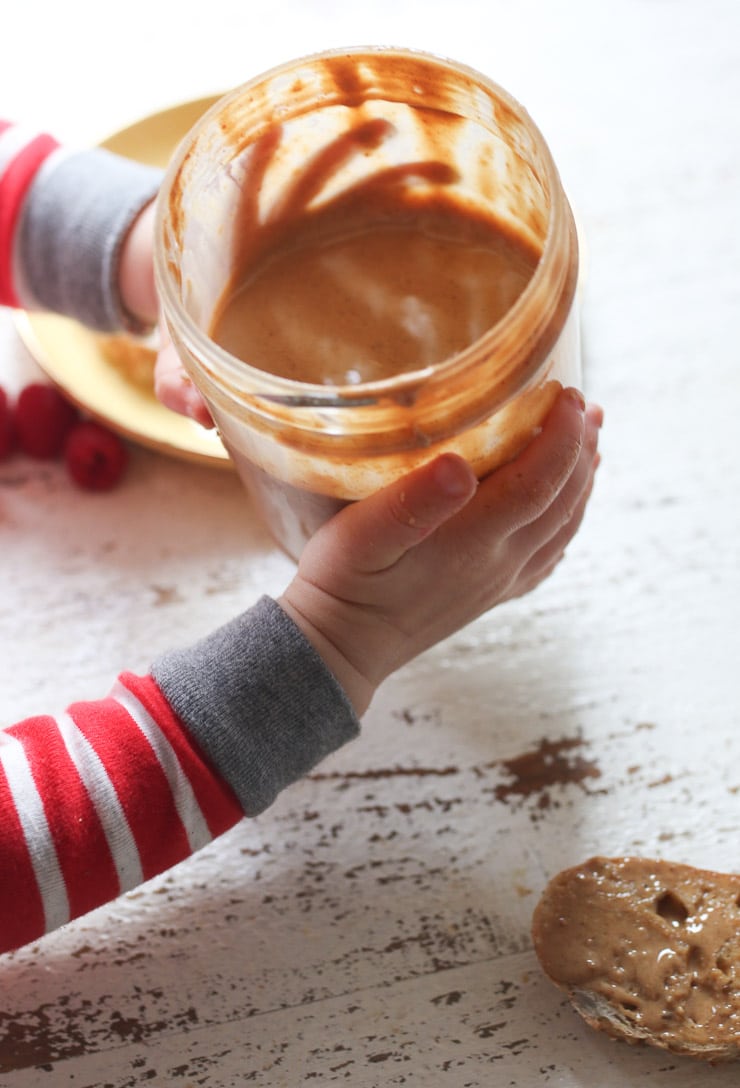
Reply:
x=302, y=449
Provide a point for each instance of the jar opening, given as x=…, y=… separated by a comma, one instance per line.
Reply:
x=441, y=112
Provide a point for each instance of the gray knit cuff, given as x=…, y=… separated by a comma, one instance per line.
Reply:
x=75, y=219
x=260, y=702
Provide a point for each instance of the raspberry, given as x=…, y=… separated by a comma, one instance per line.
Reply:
x=42, y=420
x=7, y=427
x=95, y=457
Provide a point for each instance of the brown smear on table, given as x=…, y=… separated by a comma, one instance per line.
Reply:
x=551, y=763
x=65, y=1029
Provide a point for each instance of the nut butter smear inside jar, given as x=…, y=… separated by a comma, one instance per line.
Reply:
x=367, y=259
x=387, y=278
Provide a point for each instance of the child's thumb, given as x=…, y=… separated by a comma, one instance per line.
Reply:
x=380, y=529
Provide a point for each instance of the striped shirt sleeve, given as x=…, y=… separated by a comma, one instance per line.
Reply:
x=96, y=800
x=108, y=794
x=64, y=215
x=22, y=155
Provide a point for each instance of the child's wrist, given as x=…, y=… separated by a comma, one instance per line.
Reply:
x=136, y=284
x=355, y=684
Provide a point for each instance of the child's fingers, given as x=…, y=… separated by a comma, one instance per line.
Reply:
x=378, y=531
x=523, y=490
x=173, y=387
x=560, y=515
x=544, y=561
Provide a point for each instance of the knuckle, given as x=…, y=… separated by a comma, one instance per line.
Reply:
x=565, y=507
x=569, y=453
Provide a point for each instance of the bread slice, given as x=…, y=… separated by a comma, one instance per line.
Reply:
x=647, y=951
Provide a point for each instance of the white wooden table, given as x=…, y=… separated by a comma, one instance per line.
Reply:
x=372, y=928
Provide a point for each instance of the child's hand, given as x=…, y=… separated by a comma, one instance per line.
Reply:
x=172, y=385
x=392, y=575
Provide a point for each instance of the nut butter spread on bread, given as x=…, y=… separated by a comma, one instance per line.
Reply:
x=647, y=951
x=132, y=357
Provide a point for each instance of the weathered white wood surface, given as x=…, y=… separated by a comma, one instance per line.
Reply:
x=373, y=927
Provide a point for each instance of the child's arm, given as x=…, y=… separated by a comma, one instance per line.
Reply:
x=109, y=793
x=112, y=792
x=65, y=218
x=76, y=238
x=94, y=801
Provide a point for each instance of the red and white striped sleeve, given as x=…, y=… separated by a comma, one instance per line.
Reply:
x=22, y=154
x=96, y=800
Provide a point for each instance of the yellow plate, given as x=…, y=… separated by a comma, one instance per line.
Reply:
x=72, y=356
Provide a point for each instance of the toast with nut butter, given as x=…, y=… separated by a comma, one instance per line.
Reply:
x=647, y=951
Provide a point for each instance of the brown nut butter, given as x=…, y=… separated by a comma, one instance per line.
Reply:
x=361, y=293
x=366, y=258
x=654, y=943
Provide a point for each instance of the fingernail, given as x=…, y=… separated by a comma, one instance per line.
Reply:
x=454, y=476
x=577, y=396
